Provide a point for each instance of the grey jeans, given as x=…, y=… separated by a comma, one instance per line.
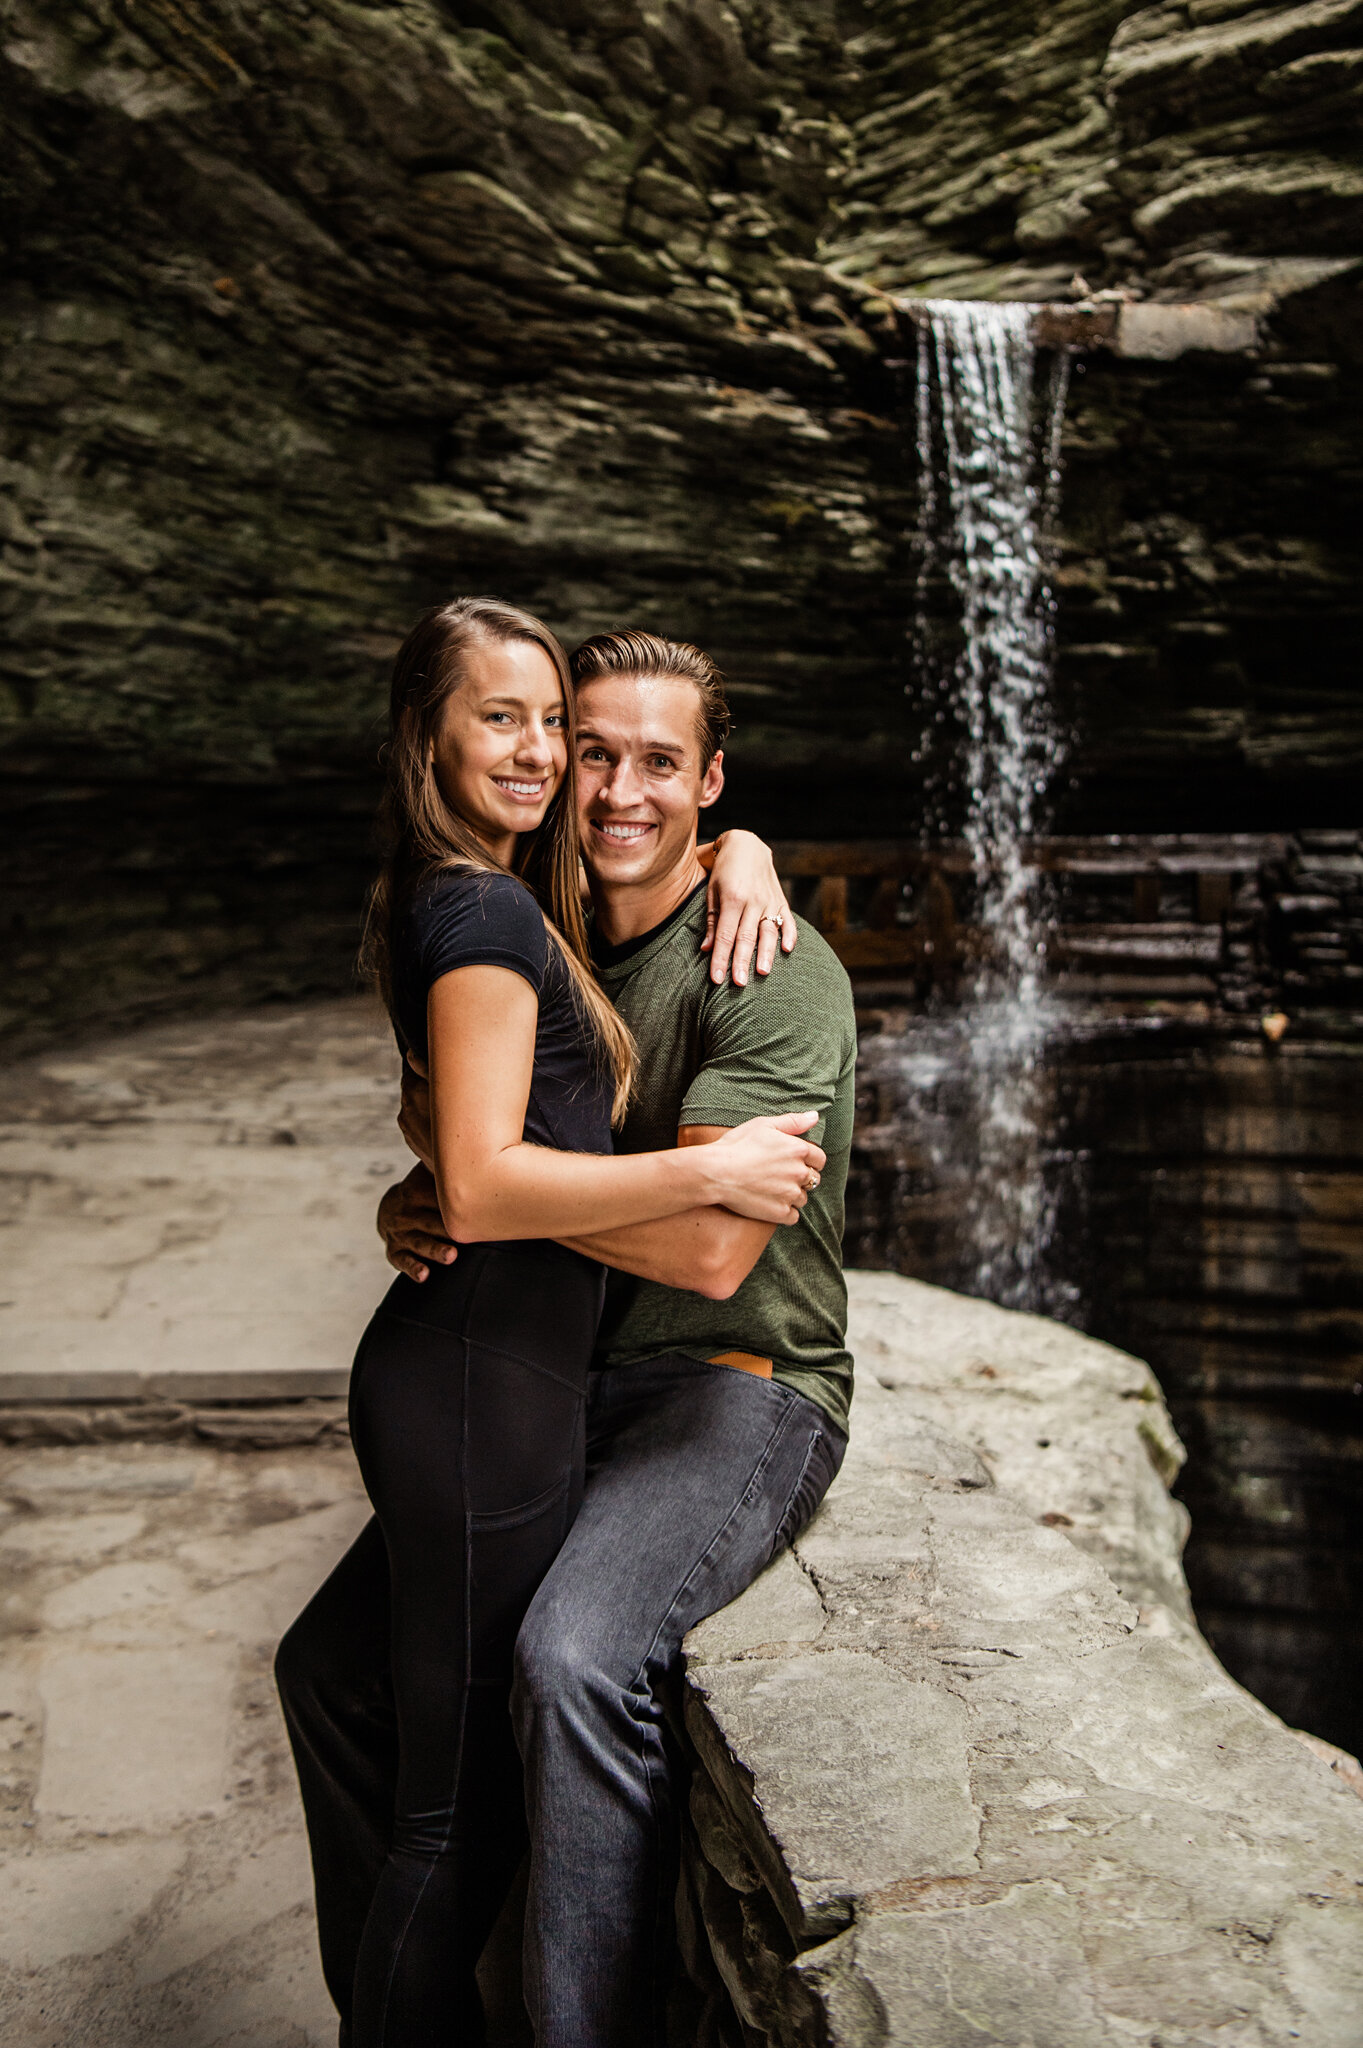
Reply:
x=697, y=1475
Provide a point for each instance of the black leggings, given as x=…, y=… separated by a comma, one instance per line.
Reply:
x=467, y=1411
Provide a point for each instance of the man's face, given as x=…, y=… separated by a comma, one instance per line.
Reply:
x=639, y=780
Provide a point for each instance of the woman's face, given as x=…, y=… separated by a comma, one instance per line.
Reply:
x=501, y=749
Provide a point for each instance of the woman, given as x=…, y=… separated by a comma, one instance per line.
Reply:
x=468, y=1391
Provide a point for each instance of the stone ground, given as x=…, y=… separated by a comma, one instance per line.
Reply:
x=186, y=1236
x=187, y=1211
x=154, y=1885
x=185, y=1219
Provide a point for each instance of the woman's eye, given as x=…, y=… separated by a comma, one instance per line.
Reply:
x=493, y=716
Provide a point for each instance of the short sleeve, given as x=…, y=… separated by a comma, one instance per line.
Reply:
x=777, y=1045
x=467, y=920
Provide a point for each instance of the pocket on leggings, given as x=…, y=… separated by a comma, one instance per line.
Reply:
x=510, y=1550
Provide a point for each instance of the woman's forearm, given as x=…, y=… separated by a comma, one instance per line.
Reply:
x=481, y=1024
x=493, y=1186
x=531, y=1191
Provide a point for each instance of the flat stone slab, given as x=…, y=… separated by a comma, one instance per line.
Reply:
x=187, y=1212
x=154, y=1878
x=134, y=1737
x=999, y=1791
x=1232, y=322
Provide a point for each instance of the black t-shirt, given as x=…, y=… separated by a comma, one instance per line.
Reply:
x=465, y=919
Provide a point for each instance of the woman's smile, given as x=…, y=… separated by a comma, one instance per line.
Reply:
x=521, y=791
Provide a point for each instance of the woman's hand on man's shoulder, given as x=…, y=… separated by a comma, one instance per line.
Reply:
x=745, y=909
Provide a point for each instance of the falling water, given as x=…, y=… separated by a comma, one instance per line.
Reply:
x=989, y=465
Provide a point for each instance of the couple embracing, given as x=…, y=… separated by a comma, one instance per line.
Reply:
x=611, y=1381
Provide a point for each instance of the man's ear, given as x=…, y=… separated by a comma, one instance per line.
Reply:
x=712, y=787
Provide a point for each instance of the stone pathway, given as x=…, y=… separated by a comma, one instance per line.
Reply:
x=154, y=1884
x=186, y=1217
x=188, y=1211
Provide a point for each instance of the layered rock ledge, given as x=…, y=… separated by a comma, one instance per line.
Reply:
x=966, y=1771
x=316, y=314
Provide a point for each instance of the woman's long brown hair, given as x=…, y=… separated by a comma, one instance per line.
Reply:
x=427, y=836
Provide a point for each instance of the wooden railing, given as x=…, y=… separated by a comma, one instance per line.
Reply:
x=857, y=893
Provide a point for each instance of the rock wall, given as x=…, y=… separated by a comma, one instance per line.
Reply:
x=1205, y=1172
x=1225, y=1212
x=965, y=1771
x=1179, y=148
x=317, y=309
x=314, y=314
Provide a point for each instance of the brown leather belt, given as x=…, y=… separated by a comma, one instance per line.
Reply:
x=744, y=1361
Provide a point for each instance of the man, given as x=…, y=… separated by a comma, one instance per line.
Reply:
x=717, y=1412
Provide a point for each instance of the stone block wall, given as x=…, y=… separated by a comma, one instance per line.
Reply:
x=965, y=1772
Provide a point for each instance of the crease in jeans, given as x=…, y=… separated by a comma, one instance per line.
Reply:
x=750, y=1484
x=786, y=1531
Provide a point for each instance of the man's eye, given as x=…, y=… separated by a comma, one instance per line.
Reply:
x=661, y=761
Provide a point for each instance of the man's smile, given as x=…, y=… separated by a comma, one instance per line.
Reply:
x=623, y=832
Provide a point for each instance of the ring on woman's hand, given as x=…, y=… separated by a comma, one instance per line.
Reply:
x=768, y=918
x=812, y=1182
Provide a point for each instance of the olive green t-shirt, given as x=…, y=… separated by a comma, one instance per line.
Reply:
x=718, y=1055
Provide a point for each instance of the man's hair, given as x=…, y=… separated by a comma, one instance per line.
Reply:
x=648, y=654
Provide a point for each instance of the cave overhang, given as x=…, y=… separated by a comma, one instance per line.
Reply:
x=1232, y=322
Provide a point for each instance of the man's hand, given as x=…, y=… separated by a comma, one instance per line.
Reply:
x=412, y=1227
x=414, y=1117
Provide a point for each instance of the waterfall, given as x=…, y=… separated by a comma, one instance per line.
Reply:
x=978, y=359
x=989, y=468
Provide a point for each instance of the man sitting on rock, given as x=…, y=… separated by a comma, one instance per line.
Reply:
x=717, y=1411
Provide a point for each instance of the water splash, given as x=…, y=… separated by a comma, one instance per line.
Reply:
x=986, y=518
